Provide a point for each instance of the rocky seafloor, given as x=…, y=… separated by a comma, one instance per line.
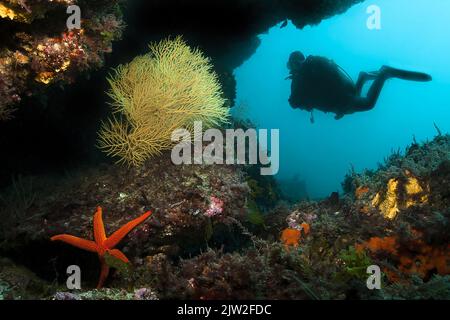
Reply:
x=212, y=237
x=217, y=232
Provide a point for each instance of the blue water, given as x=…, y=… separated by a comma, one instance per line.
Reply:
x=414, y=34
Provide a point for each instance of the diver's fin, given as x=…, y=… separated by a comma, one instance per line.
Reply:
x=405, y=74
x=312, y=118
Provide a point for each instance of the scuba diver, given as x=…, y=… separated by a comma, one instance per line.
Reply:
x=319, y=83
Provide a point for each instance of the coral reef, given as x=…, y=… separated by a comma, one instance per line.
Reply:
x=217, y=232
x=179, y=196
x=414, y=257
x=404, y=182
x=168, y=89
x=200, y=244
x=37, y=49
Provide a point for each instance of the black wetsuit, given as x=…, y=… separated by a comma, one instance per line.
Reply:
x=319, y=83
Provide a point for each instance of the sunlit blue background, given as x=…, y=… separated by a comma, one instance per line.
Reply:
x=414, y=35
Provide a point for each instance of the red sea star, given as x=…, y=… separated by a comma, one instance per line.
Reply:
x=102, y=244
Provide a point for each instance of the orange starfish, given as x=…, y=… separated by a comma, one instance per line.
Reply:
x=102, y=244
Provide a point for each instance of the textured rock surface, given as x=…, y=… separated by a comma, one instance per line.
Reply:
x=181, y=198
x=346, y=236
x=17, y=282
x=37, y=49
x=396, y=216
x=169, y=253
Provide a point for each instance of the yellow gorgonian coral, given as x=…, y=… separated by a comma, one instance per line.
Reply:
x=170, y=88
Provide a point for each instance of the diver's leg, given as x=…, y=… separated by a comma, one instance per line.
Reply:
x=363, y=78
x=368, y=102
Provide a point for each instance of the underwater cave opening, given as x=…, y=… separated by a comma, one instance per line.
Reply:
x=314, y=158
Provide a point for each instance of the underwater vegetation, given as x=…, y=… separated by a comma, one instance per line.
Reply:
x=36, y=51
x=216, y=232
x=26, y=11
x=415, y=257
x=200, y=243
x=170, y=88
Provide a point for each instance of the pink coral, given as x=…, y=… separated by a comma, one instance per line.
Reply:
x=215, y=207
